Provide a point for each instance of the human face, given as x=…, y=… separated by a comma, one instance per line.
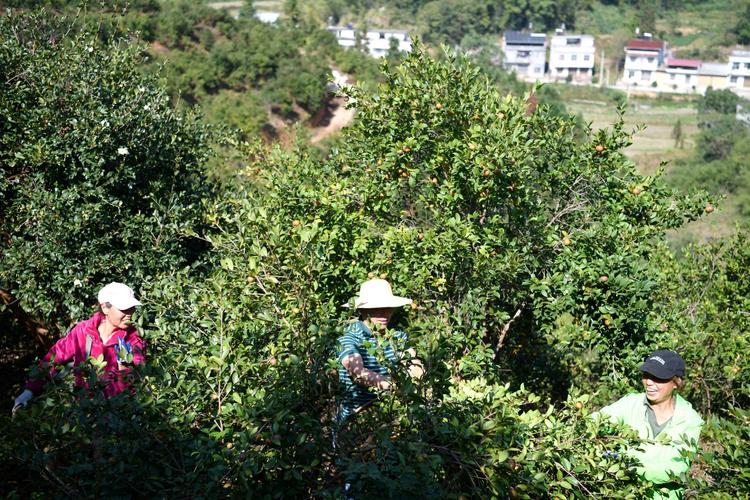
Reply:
x=380, y=316
x=658, y=390
x=116, y=317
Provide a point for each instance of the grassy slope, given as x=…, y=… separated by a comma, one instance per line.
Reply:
x=654, y=144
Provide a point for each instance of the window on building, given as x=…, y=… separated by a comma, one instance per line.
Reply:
x=632, y=58
x=687, y=78
x=586, y=57
x=733, y=79
x=523, y=53
x=645, y=75
x=735, y=65
x=562, y=57
x=671, y=76
x=747, y=65
x=382, y=35
x=573, y=57
x=631, y=74
x=650, y=60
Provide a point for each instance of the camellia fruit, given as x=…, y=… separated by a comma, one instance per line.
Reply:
x=567, y=241
x=709, y=208
x=599, y=148
x=604, y=278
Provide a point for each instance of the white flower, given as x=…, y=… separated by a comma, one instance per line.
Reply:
x=104, y=123
x=90, y=49
x=77, y=282
x=122, y=151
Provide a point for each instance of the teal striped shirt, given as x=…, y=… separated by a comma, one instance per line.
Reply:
x=359, y=339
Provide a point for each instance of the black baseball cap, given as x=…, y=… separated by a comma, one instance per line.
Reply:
x=664, y=363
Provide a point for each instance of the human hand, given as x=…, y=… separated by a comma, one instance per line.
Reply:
x=123, y=351
x=22, y=400
x=385, y=385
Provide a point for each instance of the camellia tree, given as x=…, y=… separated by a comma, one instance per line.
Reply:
x=101, y=176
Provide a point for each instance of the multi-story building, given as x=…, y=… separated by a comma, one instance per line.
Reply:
x=525, y=53
x=571, y=58
x=679, y=75
x=376, y=41
x=739, y=71
x=643, y=56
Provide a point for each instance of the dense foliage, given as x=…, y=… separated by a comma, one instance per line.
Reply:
x=719, y=161
x=101, y=176
x=536, y=259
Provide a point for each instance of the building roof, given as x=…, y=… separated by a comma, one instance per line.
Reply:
x=640, y=44
x=683, y=63
x=520, y=38
x=740, y=53
x=369, y=30
x=716, y=69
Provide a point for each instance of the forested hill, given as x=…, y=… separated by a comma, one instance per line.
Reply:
x=261, y=78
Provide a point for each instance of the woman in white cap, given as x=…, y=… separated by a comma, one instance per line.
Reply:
x=663, y=419
x=359, y=370
x=108, y=333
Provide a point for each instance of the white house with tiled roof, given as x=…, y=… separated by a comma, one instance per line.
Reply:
x=643, y=56
x=679, y=75
x=376, y=40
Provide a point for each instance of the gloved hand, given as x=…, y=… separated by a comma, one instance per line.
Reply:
x=22, y=400
x=123, y=351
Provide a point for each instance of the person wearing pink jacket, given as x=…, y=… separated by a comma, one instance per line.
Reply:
x=109, y=334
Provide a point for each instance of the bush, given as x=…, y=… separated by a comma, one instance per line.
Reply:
x=101, y=178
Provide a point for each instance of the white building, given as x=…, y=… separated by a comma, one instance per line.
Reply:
x=571, y=57
x=680, y=74
x=376, y=41
x=643, y=56
x=525, y=53
x=712, y=74
x=268, y=17
x=739, y=71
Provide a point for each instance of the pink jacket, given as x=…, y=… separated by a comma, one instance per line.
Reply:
x=72, y=347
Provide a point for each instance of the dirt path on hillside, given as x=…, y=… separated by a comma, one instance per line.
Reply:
x=339, y=117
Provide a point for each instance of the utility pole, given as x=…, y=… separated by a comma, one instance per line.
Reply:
x=601, y=72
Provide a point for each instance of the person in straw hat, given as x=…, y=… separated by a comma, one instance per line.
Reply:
x=360, y=372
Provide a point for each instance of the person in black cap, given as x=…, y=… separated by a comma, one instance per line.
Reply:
x=660, y=412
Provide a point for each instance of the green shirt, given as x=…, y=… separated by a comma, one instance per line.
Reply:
x=659, y=459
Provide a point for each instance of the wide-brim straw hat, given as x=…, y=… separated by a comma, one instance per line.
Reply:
x=377, y=294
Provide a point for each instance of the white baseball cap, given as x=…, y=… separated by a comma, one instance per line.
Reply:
x=119, y=295
x=376, y=294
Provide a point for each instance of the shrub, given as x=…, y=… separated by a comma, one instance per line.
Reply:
x=101, y=177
